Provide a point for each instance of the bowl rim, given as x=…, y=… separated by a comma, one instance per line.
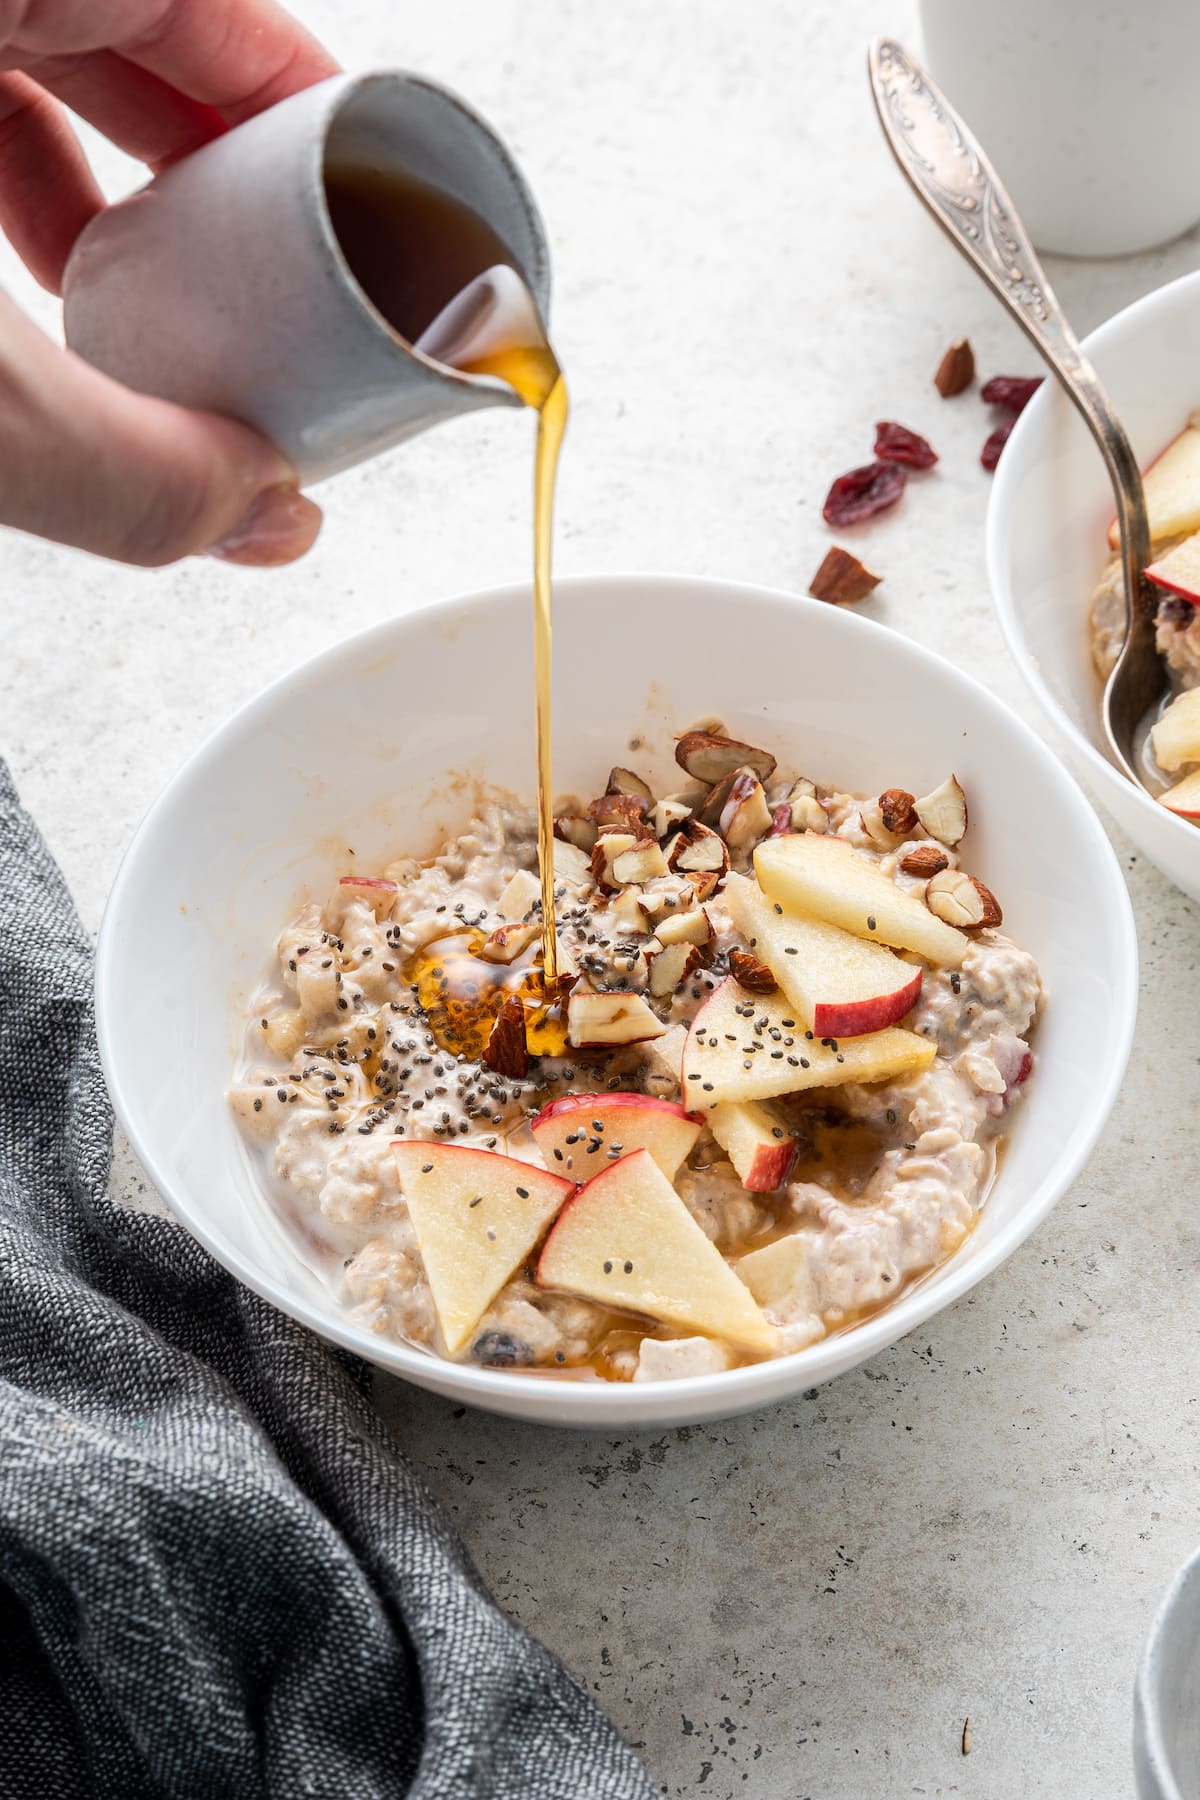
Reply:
x=1150, y=1745
x=996, y=527
x=728, y=1391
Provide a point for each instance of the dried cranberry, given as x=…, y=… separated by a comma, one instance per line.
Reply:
x=861, y=492
x=897, y=444
x=989, y=456
x=1013, y=391
x=1173, y=609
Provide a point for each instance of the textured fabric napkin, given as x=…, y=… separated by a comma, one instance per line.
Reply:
x=218, y=1576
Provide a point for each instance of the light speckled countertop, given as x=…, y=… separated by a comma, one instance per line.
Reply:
x=806, y=1602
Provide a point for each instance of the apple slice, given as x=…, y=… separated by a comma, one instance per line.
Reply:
x=732, y=1052
x=1179, y=570
x=779, y=1275
x=477, y=1216
x=841, y=985
x=1176, y=737
x=1184, y=797
x=1172, y=487
x=828, y=877
x=758, y=1146
x=627, y=1240
x=577, y=1133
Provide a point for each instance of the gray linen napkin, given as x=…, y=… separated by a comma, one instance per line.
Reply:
x=218, y=1576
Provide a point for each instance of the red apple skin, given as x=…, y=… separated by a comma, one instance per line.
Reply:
x=771, y=1167
x=366, y=881
x=1185, y=812
x=1173, y=587
x=605, y=1103
x=854, y=1018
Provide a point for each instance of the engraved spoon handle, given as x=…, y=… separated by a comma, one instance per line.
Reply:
x=945, y=165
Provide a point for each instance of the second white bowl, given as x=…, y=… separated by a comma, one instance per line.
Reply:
x=1050, y=508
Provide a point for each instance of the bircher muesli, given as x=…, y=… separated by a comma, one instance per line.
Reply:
x=766, y=1096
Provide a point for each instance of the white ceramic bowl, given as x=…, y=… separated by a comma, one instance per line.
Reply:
x=1166, y=1700
x=1050, y=506
x=355, y=751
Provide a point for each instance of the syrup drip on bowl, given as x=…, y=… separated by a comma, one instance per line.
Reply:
x=443, y=278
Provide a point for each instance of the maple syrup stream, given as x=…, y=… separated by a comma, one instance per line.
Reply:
x=532, y=372
x=412, y=249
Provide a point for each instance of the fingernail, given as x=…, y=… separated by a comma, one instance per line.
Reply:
x=279, y=525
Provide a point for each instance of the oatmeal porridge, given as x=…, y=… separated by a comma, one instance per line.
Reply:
x=767, y=1094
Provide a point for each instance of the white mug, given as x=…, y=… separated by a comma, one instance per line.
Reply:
x=1087, y=108
x=221, y=284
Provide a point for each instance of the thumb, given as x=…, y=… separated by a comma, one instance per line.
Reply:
x=85, y=461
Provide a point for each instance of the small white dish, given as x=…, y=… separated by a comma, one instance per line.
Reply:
x=370, y=750
x=1166, y=1696
x=1050, y=507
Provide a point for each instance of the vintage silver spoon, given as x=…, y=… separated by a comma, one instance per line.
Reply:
x=951, y=174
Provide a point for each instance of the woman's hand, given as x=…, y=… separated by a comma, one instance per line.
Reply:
x=84, y=460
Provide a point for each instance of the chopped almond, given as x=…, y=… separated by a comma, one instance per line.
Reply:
x=596, y=1019
x=956, y=371
x=520, y=895
x=871, y=819
x=692, y=927
x=507, y=942
x=624, y=781
x=570, y=863
x=668, y=814
x=943, y=813
x=643, y=862
x=809, y=815
x=842, y=579
x=572, y=828
x=626, y=812
x=960, y=900
x=701, y=855
x=745, y=817
x=708, y=757
x=713, y=805
x=669, y=966
x=610, y=845
x=507, y=1051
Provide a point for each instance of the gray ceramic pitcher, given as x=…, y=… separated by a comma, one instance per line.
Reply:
x=221, y=284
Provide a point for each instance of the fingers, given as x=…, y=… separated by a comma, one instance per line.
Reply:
x=236, y=55
x=133, y=108
x=84, y=461
x=47, y=194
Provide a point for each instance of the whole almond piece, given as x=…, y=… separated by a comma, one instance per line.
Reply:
x=750, y=973
x=842, y=579
x=956, y=371
x=925, y=859
x=960, y=900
